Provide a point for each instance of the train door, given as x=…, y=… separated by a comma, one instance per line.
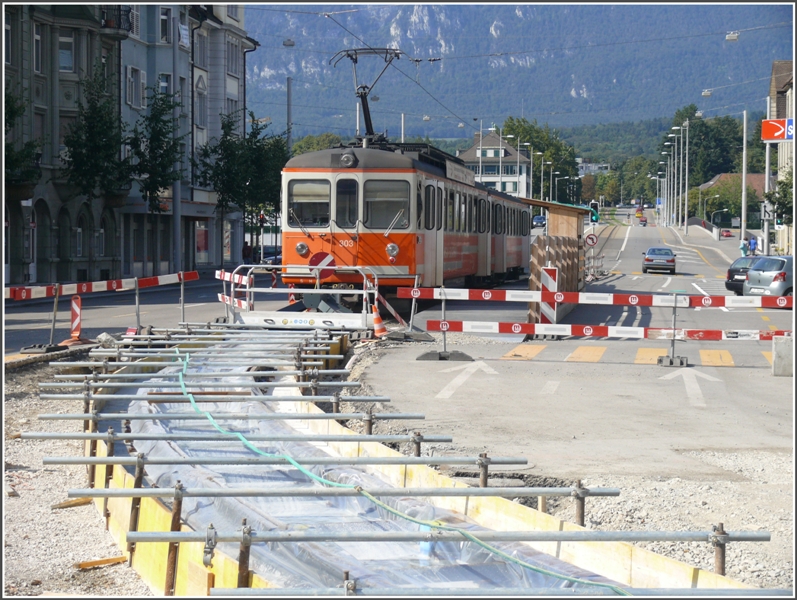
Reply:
x=525, y=245
x=483, y=232
x=430, y=231
x=499, y=237
x=344, y=239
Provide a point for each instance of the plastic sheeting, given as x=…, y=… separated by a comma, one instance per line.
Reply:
x=449, y=565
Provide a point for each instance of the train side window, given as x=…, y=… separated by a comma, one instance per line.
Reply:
x=469, y=212
x=387, y=203
x=346, y=203
x=419, y=202
x=463, y=213
x=524, y=224
x=481, y=224
x=450, y=212
x=429, y=211
x=457, y=204
x=498, y=219
x=308, y=203
x=440, y=215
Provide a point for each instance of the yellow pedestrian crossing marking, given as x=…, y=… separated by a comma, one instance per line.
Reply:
x=767, y=355
x=716, y=358
x=765, y=318
x=586, y=354
x=523, y=352
x=649, y=356
x=773, y=327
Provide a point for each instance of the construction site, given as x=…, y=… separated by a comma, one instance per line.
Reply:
x=243, y=457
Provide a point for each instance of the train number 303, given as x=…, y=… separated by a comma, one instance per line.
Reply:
x=346, y=243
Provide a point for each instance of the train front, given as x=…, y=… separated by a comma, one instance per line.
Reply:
x=346, y=212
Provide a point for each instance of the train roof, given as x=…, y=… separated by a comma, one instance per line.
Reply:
x=383, y=155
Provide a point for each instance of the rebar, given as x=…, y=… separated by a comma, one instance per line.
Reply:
x=210, y=384
x=209, y=397
x=498, y=592
x=212, y=375
x=226, y=437
x=324, y=492
x=192, y=416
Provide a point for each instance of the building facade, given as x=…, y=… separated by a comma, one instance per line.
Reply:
x=502, y=166
x=781, y=106
x=197, y=52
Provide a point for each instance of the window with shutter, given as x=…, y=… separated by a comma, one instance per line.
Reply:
x=143, y=103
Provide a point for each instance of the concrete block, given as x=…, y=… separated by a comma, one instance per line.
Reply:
x=783, y=356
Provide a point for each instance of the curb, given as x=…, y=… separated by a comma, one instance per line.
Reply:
x=18, y=363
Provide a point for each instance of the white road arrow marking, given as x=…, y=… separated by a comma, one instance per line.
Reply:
x=692, y=388
x=467, y=370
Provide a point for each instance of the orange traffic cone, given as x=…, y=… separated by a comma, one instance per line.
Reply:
x=379, y=327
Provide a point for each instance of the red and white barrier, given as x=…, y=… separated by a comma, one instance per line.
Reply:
x=594, y=298
x=650, y=333
x=390, y=309
x=236, y=279
x=76, y=309
x=548, y=281
x=48, y=291
x=236, y=302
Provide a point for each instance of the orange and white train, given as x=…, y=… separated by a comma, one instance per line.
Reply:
x=403, y=210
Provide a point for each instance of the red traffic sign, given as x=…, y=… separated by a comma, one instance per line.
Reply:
x=591, y=239
x=321, y=260
x=777, y=130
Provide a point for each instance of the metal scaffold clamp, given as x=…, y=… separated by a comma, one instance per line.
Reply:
x=210, y=546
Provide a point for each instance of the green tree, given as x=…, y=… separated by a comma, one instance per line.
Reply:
x=588, y=188
x=21, y=160
x=94, y=143
x=312, y=143
x=155, y=152
x=782, y=198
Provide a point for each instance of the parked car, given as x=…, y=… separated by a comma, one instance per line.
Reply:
x=737, y=273
x=648, y=206
x=538, y=221
x=273, y=260
x=643, y=221
x=269, y=253
x=770, y=276
x=658, y=257
x=726, y=233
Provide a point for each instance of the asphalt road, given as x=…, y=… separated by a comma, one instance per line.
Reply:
x=580, y=406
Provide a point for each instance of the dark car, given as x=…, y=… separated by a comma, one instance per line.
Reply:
x=538, y=221
x=737, y=273
x=659, y=257
x=269, y=253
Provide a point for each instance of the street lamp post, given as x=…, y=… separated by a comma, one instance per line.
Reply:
x=723, y=210
x=532, y=154
x=550, y=183
x=518, y=162
x=686, y=180
x=500, y=156
x=704, y=203
x=542, y=177
x=556, y=187
x=481, y=135
x=667, y=190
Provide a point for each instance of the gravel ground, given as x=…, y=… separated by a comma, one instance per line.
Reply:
x=43, y=544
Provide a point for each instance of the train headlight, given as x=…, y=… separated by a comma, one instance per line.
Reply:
x=392, y=250
x=348, y=159
x=302, y=249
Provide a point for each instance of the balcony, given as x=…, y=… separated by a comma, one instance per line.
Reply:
x=115, y=23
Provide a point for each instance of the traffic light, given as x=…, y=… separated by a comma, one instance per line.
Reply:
x=778, y=219
x=594, y=217
x=262, y=220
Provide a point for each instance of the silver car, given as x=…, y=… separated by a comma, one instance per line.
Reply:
x=659, y=257
x=770, y=276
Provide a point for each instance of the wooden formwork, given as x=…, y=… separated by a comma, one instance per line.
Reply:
x=566, y=254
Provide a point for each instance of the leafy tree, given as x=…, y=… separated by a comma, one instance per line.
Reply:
x=782, y=198
x=20, y=159
x=155, y=151
x=588, y=188
x=312, y=143
x=94, y=142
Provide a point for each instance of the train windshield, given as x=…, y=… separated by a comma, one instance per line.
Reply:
x=308, y=203
x=387, y=203
x=346, y=203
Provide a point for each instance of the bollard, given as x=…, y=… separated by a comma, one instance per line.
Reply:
x=416, y=442
x=243, y=555
x=483, y=466
x=171, y=558
x=578, y=493
x=135, y=507
x=719, y=540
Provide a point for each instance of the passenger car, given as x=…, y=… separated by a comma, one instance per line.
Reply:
x=770, y=276
x=538, y=221
x=643, y=221
x=737, y=273
x=726, y=233
x=657, y=257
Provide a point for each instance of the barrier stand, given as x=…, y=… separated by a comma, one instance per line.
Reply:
x=182, y=298
x=76, y=324
x=672, y=360
x=414, y=303
x=445, y=354
x=40, y=348
x=138, y=309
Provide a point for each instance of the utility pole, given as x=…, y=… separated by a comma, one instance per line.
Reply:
x=290, y=121
x=767, y=206
x=743, y=229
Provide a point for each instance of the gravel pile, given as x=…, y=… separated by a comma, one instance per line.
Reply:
x=43, y=544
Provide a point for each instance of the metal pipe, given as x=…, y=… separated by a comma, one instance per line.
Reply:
x=179, y=398
x=587, y=590
x=579, y=503
x=109, y=446
x=243, y=555
x=142, y=340
x=325, y=492
x=277, y=460
x=138, y=308
x=148, y=364
x=453, y=536
x=226, y=437
x=204, y=384
x=484, y=462
x=720, y=539
x=204, y=355
x=135, y=507
x=215, y=375
x=58, y=291
x=192, y=416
